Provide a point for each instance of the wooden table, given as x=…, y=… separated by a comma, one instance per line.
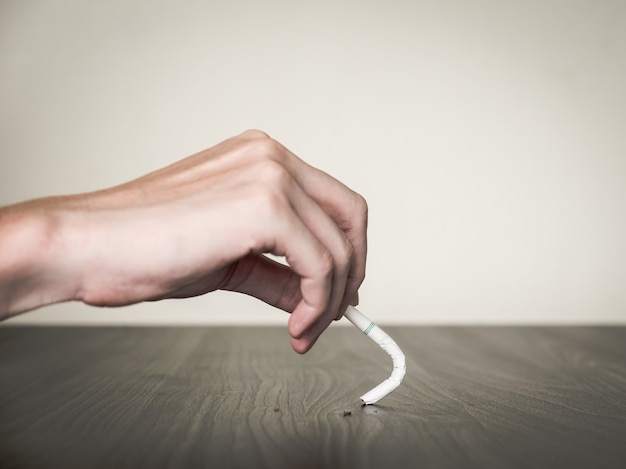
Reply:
x=501, y=397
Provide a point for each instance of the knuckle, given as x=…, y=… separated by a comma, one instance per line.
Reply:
x=254, y=145
x=362, y=209
x=254, y=134
x=326, y=263
x=267, y=149
x=273, y=174
x=345, y=255
x=270, y=201
x=271, y=191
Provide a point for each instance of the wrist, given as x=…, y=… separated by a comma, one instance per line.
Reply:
x=37, y=266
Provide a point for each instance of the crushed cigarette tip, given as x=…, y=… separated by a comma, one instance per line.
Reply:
x=385, y=342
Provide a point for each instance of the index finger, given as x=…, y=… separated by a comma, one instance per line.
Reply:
x=347, y=208
x=349, y=211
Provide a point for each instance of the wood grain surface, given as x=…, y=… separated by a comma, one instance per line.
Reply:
x=502, y=397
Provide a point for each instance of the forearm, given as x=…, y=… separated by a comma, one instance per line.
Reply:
x=35, y=265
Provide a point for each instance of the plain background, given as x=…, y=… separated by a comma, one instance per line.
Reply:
x=487, y=136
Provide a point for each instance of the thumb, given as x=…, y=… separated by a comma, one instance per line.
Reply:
x=269, y=281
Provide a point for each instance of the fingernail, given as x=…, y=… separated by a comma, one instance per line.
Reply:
x=355, y=299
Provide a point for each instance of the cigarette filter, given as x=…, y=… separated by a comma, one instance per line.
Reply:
x=388, y=345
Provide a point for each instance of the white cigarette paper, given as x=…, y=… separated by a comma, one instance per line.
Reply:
x=388, y=345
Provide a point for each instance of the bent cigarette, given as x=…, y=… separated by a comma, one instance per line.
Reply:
x=388, y=345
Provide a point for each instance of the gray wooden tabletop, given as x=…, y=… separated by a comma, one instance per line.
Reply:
x=500, y=397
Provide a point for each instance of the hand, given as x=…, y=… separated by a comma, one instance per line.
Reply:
x=205, y=222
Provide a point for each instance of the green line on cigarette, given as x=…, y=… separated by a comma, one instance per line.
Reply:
x=369, y=328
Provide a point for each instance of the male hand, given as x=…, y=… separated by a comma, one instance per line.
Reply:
x=203, y=224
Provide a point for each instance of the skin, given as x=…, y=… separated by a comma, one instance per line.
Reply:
x=201, y=224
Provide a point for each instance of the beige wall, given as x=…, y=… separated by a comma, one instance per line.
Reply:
x=488, y=139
